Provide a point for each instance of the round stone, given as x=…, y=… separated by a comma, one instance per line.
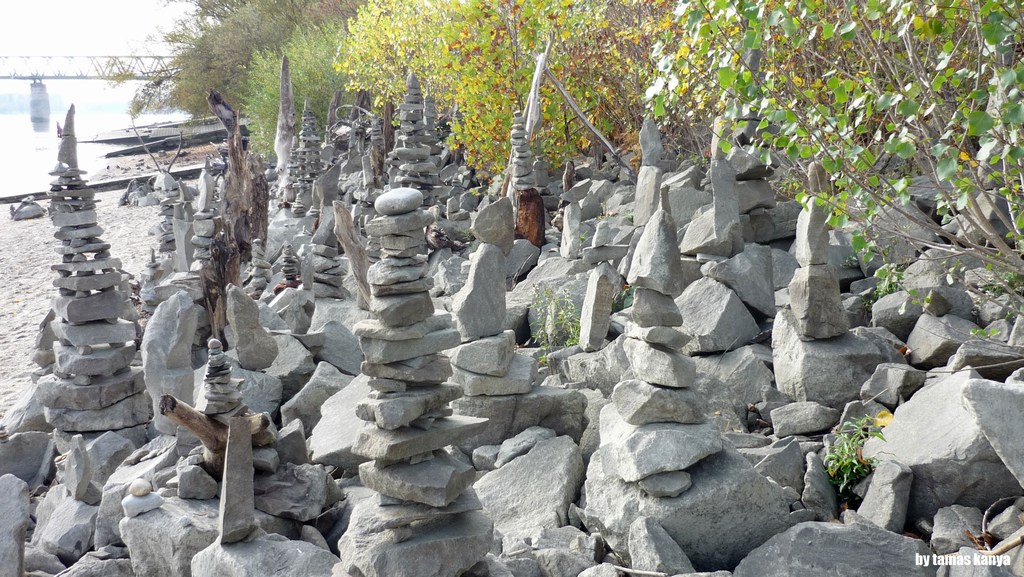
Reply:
x=140, y=488
x=398, y=201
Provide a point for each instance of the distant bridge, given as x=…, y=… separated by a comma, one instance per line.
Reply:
x=82, y=67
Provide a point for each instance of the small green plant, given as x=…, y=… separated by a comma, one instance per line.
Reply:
x=559, y=321
x=845, y=461
x=890, y=280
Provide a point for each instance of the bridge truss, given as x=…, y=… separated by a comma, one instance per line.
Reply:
x=82, y=67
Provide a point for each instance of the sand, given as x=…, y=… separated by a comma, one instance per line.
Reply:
x=26, y=253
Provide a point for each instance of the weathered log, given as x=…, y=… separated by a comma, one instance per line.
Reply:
x=285, y=122
x=530, y=216
x=212, y=433
x=569, y=176
x=358, y=262
x=222, y=110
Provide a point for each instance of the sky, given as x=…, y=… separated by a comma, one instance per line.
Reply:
x=86, y=27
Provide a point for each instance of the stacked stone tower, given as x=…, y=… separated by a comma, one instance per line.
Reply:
x=424, y=504
x=305, y=163
x=409, y=162
x=93, y=387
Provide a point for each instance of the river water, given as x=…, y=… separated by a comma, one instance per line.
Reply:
x=27, y=153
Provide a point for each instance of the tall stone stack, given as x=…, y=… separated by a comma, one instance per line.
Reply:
x=657, y=410
x=289, y=268
x=425, y=519
x=657, y=450
x=305, y=163
x=486, y=363
x=523, y=177
x=204, y=225
x=814, y=292
x=410, y=164
x=93, y=387
x=648, y=180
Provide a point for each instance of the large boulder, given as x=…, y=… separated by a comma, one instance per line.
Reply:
x=831, y=371
x=533, y=491
x=508, y=415
x=728, y=511
x=267, y=555
x=335, y=433
x=944, y=445
x=813, y=549
x=164, y=541
x=715, y=318
x=167, y=354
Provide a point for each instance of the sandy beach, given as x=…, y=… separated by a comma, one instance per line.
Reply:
x=27, y=251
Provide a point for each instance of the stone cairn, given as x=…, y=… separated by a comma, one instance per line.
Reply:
x=410, y=164
x=814, y=293
x=655, y=424
x=424, y=497
x=93, y=387
x=486, y=364
x=222, y=398
x=204, y=224
x=329, y=267
x=167, y=190
x=261, y=271
x=290, y=269
x=523, y=177
x=305, y=162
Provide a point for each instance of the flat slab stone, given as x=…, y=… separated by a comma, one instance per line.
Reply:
x=659, y=365
x=446, y=546
x=489, y=356
x=128, y=412
x=373, y=328
x=95, y=307
x=93, y=282
x=656, y=447
x=102, y=361
x=639, y=403
x=374, y=443
x=436, y=482
x=396, y=516
x=429, y=369
x=393, y=410
x=89, y=334
x=521, y=375
x=416, y=220
x=402, y=310
x=382, y=351
x=57, y=393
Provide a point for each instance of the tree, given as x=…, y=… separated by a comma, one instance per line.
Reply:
x=310, y=51
x=866, y=86
x=214, y=45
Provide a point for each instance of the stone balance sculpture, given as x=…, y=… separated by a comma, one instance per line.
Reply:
x=93, y=387
x=424, y=508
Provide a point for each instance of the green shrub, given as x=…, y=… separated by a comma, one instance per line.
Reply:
x=311, y=53
x=845, y=461
x=560, y=321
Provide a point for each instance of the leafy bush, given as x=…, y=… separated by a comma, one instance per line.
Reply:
x=310, y=51
x=845, y=461
x=560, y=321
x=863, y=86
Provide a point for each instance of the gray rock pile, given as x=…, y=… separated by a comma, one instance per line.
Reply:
x=93, y=387
x=522, y=158
x=423, y=508
x=329, y=266
x=260, y=271
x=648, y=179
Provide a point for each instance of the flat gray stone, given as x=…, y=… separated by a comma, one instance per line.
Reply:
x=380, y=351
x=495, y=224
x=803, y=417
x=306, y=405
x=885, y=503
x=639, y=403
x=14, y=509
x=519, y=379
x=255, y=348
x=641, y=451
x=603, y=286
x=265, y=555
x=479, y=308
x=652, y=308
x=533, y=491
x=659, y=365
x=489, y=356
x=436, y=482
x=651, y=548
x=237, y=519
x=374, y=443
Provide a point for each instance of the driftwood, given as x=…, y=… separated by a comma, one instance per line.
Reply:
x=388, y=128
x=593, y=129
x=285, y=122
x=568, y=176
x=530, y=216
x=332, y=115
x=358, y=262
x=212, y=433
x=223, y=111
